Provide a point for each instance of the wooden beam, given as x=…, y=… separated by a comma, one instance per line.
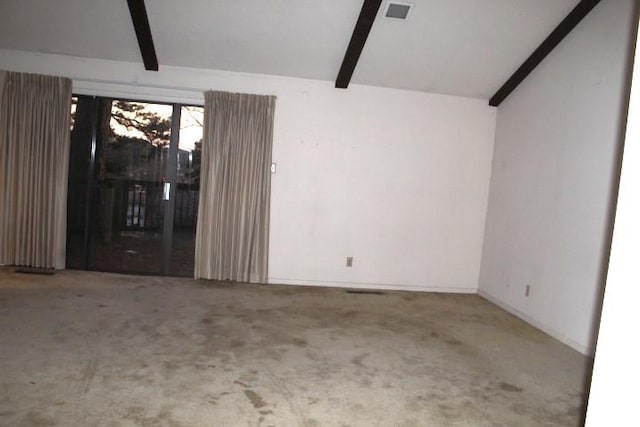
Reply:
x=358, y=39
x=143, y=32
x=562, y=30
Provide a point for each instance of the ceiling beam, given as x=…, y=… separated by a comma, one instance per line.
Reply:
x=562, y=30
x=143, y=33
x=358, y=39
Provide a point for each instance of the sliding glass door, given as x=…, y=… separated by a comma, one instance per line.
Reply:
x=187, y=191
x=135, y=210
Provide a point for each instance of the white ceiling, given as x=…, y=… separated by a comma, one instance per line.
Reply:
x=458, y=47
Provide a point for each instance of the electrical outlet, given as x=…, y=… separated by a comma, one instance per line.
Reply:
x=526, y=291
x=349, y=261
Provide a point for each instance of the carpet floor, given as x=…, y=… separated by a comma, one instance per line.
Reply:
x=97, y=349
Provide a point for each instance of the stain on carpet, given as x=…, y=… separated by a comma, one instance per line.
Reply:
x=359, y=359
x=299, y=342
x=255, y=399
x=453, y=341
x=509, y=387
x=240, y=383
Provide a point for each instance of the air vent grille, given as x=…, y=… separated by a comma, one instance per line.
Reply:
x=398, y=10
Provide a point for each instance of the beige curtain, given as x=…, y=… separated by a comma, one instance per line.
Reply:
x=232, y=236
x=34, y=155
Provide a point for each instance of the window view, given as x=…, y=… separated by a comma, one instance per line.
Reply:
x=120, y=214
x=77, y=193
x=131, y=170
x=187, y=190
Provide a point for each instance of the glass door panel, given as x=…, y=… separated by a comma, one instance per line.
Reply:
x=187, y=182
x=133, y=140
x=82, y=126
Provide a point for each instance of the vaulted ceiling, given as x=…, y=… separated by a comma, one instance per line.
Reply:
x=457, y=47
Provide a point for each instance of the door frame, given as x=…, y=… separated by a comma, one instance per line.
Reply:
x=169, y=177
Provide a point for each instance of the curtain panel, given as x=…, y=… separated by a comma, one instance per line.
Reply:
x=35, y=113
x=232, y=234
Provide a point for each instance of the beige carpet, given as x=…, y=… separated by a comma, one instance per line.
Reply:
x=94, y=349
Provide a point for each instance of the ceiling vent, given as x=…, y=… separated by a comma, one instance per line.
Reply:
x=397, y=10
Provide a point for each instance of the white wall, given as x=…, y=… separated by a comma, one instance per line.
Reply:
x=397, y=179
x=613, y=397
x=553, y=174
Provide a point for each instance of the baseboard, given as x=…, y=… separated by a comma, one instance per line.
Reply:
x=537, y=324
x=369, y=286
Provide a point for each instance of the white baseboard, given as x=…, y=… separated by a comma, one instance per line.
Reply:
x=539, y=325
x=369, y=286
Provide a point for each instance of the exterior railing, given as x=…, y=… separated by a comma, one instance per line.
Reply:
x=138, y=205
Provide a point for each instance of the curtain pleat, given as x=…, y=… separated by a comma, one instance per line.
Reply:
x=232, y=235
x=35, y=113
